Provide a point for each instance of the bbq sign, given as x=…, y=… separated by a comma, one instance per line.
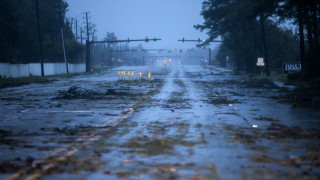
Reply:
x=291, y=67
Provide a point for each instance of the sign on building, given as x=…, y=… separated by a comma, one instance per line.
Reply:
x=260, y=62
x=291, y=67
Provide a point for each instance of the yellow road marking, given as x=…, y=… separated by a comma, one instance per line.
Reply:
x=115, y=121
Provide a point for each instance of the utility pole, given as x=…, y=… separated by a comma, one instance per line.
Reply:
x=71, y=24
x=87, y=22
x=40, y=38
x=76, y=29
x=88, y=52
x=81, y=38
x=264, y=41
x=199, y=40
x=62, y=38
x=209, y=57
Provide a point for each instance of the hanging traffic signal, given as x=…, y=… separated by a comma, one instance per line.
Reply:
x=128, y=40
x=146, y=40
x=183, y=40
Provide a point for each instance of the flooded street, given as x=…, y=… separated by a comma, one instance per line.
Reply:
x=188, y=122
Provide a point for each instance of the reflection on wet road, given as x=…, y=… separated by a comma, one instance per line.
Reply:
x=191, y=123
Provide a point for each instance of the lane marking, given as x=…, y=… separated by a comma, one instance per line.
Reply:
x=111, y=123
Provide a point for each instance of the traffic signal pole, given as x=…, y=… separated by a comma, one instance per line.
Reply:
x=89, y=43
x=199, y=41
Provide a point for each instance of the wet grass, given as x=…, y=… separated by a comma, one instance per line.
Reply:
x=12, y=82
x=222, y=101
x=266, y=119
x=302, y=153
x=240, y=83
x=147, y=146
x=179, y=82
x=228, y=113
x=19, y=81
x=9, y=167
x=74, y=165
x=177, y=100
x=76, y=92
x=301, y=97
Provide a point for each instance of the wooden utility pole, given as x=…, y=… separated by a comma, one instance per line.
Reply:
x=264, y=41
x=76, y=30
x=81, y=38
x=88, y=47
x=40, y=38
x=62, y=39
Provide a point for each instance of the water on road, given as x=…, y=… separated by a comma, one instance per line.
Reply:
x=189, y=122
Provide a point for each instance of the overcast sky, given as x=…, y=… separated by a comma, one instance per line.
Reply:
x=169, y=20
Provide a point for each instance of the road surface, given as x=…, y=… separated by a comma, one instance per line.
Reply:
x=188, y=122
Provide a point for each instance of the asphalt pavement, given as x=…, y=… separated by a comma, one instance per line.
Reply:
x=180, y=122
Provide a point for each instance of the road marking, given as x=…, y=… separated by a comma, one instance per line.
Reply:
x=113, y=122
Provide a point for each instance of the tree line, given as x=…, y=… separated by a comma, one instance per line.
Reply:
x=278, y=30
x=19, y=33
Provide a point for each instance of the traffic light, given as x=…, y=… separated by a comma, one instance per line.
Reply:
x=146, y=40
x=128, y=40
x=183, y=40
x=199, y=40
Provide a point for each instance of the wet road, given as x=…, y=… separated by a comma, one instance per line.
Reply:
x=188, y=123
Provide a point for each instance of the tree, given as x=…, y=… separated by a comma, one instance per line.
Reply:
x=110, y=37
x=19, y=30
x=241, y=24
x=8, y=32
x=306, y=15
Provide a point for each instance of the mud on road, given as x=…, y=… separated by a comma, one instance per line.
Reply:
x=189, y=123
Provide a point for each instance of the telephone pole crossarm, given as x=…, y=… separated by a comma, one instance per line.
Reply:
x=127, y=40
x=197, y=40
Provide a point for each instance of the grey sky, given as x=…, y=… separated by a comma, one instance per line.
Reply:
x=167, y=19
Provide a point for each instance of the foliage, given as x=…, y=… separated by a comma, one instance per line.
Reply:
x=306, y=15
x=241, y=23
x=19, y=32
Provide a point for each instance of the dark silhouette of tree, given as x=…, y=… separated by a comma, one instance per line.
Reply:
x=241, y=23
x=19, y=32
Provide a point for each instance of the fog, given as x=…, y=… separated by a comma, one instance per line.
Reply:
x=136, y=19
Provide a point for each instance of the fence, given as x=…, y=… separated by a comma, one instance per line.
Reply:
x=20, y=70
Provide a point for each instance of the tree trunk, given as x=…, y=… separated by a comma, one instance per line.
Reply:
x=309, y=35
x=264, y=42
x=315, y=24
x=238, y=62
x=307, y=22
x=301, y=37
